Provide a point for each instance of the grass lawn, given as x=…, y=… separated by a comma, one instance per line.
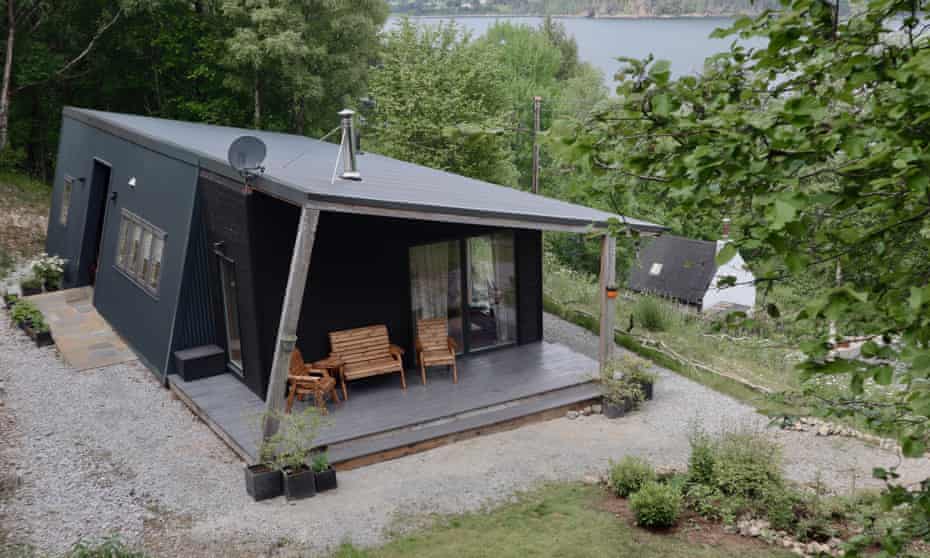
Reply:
x=563, y=520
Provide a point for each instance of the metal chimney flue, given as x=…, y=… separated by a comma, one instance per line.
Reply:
x=349, y=164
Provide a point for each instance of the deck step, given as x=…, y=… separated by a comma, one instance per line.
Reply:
x=400, y=442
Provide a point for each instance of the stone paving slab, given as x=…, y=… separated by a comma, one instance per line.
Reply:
x=84, y=339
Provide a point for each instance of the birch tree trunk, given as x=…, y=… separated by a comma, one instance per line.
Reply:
x=7, y=75
x=257, y=115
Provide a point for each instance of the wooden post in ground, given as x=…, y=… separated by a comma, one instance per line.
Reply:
x=608, y=305
x=290, y=314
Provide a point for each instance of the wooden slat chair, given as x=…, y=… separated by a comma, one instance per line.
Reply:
x=367, y=351
x=435, y=347
x=306, y=380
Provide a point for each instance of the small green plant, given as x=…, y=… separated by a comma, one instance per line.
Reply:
x=704, y=500
x=701, y=460
x=26, y=312
x=629, y=475
x=295, y=438
x=31, y=283
x=747, y=464
x=652, y=314
x=636, y=369
x=656, y=506
x=48, y=269
x=616, y=386
x=320, y=462
x=108, y=548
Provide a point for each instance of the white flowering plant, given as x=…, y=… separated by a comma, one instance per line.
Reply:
x=49, y=269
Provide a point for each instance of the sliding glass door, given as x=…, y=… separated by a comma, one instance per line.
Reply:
x=491, y=288
x=482, y=268
x=436, y=285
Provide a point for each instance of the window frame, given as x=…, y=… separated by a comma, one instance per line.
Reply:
x=64, y=207
x=131, y=252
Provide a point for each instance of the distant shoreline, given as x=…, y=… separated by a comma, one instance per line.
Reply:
x=573, y=16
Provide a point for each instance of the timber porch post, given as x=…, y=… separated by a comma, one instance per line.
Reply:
x=290, y=315
x=608, y=305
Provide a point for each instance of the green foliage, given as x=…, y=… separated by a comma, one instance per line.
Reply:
x=746, y=465
x=447, y=129
x=617, y=387
x=25, y=311
x=656, y=505
x=653, y=314
x=705, y=501
x=31, y=282
x=629, y=475
x=638, y=8
x=702, y=458
x=319, y=462
x=295, y=438
x=817, y=146
x=108, y=548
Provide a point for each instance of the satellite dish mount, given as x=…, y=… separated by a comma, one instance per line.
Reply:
x=246, y=155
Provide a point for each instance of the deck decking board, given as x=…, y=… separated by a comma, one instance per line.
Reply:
x=378, y=404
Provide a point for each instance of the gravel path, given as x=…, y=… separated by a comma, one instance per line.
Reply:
x=110, y=451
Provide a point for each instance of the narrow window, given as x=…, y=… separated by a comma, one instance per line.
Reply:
x=65, y=201
x=140, y=251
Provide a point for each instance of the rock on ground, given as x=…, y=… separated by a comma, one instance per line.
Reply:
x=109, y=451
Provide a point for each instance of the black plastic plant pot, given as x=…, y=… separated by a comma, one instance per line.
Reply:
x=262, y=483
x=25, y=325
x=299, y=484
x=325, y=480
x=614, y=410
x=30, y=291
x=51, y=287
x=647, y=390
x=42, y=338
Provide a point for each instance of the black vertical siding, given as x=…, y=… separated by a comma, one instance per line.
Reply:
x=529, y=296
x=195, y=324
x=226, y=205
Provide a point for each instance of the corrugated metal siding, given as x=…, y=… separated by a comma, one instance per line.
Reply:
x=196, y=323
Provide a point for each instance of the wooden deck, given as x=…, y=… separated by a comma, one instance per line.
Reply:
x=496, y=387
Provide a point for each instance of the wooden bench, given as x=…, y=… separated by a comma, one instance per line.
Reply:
x=435, y=347
x=367, y=351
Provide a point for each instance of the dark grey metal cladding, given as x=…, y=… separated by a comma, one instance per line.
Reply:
x=300, y=168
x=199, y=303
x=163, y=195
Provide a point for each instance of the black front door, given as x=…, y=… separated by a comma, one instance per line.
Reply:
x=93, y=224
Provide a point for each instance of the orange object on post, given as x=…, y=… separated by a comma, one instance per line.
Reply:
x=611, y=292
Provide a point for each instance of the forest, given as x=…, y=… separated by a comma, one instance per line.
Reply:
x=586, y=8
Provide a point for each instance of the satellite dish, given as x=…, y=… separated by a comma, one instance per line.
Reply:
x=246, y=155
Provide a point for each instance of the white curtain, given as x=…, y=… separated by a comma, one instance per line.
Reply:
x=504, y=293
x=429, y=271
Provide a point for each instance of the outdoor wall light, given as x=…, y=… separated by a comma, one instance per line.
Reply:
x=132, y=182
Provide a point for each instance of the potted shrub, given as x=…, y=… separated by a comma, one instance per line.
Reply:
x=49, y=270
x=620, y=395
x=293, y=443
x=263, y=480
x=39, y=332
x=323, y=473
x=31, y=285
x=9, y=299
x=22, y=313
x=638, y=371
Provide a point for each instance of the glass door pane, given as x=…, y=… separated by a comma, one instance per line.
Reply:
x=436, y=285
x=491, y=291
x=231, y=313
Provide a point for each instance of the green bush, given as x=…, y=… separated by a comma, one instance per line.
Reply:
x=779, y=506
x=656, y=505
x=747, y=465
x=705, y=501
x=701, y=460
x=629, y=475
x=652, y=314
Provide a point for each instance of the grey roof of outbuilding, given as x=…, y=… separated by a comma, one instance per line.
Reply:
x=688, y=267
x=300, y=169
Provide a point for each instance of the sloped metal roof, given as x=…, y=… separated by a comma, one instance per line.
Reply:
x=300, y=169
x=687, y=268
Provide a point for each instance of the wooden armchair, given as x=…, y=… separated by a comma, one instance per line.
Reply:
x=435, y=347
x=367, y=351
x=306, y=380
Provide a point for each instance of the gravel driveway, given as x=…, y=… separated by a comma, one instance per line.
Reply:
x=110, y=451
